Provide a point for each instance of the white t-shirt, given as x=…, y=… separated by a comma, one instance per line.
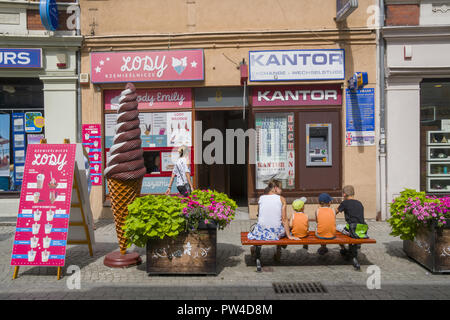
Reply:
x=180, y=170
x=270, y=206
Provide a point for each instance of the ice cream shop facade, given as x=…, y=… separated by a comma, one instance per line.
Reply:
x=298, y=119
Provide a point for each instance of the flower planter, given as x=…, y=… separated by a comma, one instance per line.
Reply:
x=190, y=253
x=431, y=248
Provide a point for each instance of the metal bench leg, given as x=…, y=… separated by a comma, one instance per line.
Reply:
x=258, y=258
x=353, y=248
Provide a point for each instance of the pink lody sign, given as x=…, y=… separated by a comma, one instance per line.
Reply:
x=297, y=95
x=147, y=66
x=44, y=208
x=153, y=98
x=92, y=141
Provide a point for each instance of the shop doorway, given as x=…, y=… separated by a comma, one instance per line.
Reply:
x=228, y=178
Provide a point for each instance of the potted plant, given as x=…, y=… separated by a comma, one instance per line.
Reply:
x=423, y=223
x=180, y=233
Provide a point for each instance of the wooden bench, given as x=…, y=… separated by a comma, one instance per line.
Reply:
x=311, y=239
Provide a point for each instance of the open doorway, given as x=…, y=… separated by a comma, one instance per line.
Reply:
x=228, y=178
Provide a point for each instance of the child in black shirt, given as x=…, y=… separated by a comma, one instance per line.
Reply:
x=353, y=212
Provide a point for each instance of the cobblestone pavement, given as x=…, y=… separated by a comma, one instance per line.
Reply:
x=401, y=278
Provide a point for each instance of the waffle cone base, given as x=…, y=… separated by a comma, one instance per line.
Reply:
x=122, y=193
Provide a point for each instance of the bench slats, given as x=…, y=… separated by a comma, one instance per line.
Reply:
x=310, y=239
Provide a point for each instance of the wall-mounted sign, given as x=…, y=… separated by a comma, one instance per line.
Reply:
x=358, y=80
x=344, y=8
x=153, y=98
x=20, y=58
x=147, y=66
x=92, y=141
x=297, y=95
x=360, y=117
x=48, y=11
x=286, y=65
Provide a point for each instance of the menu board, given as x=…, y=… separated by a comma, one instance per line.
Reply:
x=275, y=155
x=44, y=208
x=163, y=129
x=92, y=140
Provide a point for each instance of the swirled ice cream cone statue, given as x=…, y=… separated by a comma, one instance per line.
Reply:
x=124, y=171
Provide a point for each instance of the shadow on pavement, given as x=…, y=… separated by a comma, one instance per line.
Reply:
x=302, y=257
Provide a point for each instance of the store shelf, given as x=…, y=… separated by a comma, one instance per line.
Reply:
x=438, y=138
x=439, y=184
x=438, y=169
x=438, y=162
x=438, y=153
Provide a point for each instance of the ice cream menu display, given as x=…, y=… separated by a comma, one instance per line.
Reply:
x=275, y=155
x=45, y=199
x=92, y=141
x=165, y=129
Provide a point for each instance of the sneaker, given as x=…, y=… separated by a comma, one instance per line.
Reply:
x=322, y=250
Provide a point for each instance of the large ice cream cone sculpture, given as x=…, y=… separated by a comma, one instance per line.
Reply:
x=125, y=163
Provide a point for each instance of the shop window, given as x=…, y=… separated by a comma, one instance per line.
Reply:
x=275, y=151
x=435, y=135
x=21, y=123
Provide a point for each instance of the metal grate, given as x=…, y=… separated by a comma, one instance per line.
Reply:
x=298, y=287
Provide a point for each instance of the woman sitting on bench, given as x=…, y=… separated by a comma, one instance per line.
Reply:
x=272, y=219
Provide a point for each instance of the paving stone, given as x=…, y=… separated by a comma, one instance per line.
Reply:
x=401, y=278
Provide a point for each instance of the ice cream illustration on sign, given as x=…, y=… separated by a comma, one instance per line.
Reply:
x=179, y=64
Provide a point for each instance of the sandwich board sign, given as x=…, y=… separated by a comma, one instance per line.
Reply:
x=52, y=186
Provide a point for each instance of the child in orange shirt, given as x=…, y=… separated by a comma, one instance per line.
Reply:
x=299, y=223
x=326, y=221
x=299, y=220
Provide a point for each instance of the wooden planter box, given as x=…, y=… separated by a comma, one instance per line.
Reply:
x=190, y=253
x=431, y=248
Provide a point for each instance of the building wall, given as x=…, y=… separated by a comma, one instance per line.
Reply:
x=20, y=27
x=227, y=31
x=428, y=41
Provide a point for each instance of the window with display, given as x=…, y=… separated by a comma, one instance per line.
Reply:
x=161, y=135
x=275, y=149
x=435, y=135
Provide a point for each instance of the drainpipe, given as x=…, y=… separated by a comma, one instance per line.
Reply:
x=382, y=147
x=79, y=119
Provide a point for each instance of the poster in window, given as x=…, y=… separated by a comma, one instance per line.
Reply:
x=163, y=129
x=4, y=144
x=275, y=152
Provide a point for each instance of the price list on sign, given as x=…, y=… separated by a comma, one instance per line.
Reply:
x=92, y=141
x=44, y=208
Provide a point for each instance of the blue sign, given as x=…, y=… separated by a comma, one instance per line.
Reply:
x=360, y=110
x=20, y=58
x=49, y=14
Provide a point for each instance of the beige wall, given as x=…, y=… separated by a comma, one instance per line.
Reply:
x=118, y=17
x=223, y=51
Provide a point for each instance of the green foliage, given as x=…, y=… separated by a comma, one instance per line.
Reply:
x=154, y=216
x=206, y=198
x=403, y=222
